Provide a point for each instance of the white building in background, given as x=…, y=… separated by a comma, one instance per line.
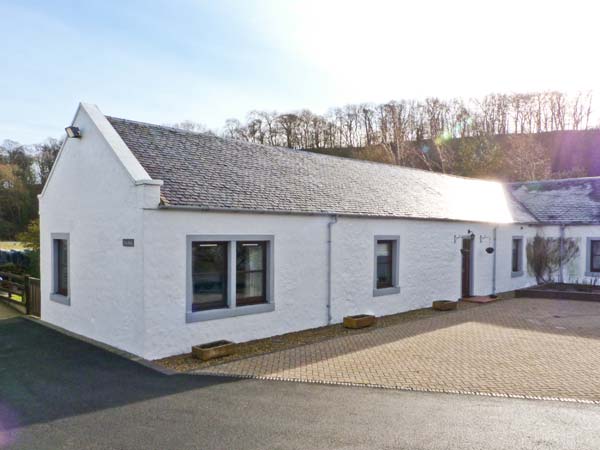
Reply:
x=155, y=239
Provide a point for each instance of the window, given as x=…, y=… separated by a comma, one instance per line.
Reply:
x=251, y=275
x=386, y=265
x=229, y=276
x=385, y=262
x=517, y=256
x=60, y=268
x=209, y=275
x=593, y=257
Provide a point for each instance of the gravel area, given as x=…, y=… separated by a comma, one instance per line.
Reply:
x=186, y=362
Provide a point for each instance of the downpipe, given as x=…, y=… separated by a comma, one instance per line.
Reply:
x=495, y=239
x=330, y=225
x=562, y=252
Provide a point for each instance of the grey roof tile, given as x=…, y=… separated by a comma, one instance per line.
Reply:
x=209, y=172
x=567, y=201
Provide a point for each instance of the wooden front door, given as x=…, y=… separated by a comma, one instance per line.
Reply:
x=466, y=252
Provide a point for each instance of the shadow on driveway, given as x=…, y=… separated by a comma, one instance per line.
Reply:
x=45, y=375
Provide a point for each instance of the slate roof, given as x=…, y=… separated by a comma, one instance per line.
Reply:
x=208, y=172
x=567, y=201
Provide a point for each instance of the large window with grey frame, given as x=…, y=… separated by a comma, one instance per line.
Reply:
x=213, y=276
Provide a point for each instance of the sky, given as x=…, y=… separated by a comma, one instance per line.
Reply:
x=207, y=61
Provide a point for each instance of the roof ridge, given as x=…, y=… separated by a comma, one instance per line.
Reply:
x=529, y=211
x=304, y=151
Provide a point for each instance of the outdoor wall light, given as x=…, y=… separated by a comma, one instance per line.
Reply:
x=490, y=250
x=73, y=132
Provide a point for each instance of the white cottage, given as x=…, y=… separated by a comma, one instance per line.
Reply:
x=155, y=239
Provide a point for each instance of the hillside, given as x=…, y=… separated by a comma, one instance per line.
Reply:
x=509, y=157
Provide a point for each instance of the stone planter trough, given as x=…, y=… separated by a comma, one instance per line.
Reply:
x=212, y=350
x=444, y=305
x=359, y=321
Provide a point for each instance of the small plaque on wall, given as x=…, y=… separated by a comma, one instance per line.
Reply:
x=128, y=243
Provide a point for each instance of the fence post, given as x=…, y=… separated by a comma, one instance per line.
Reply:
x=26, y=289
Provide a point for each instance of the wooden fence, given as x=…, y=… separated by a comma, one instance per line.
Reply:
x=21, y=290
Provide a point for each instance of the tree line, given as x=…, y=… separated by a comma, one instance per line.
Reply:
x=499, y=135
x=366, y=124
x=23, y=171
x=494, y=136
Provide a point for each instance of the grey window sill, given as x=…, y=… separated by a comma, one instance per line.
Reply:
x=592, y=274
x=516, y=274
x=214, y=314
x=62, y=299
x=386, y=291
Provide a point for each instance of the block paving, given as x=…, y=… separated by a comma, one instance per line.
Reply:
x=523, y=348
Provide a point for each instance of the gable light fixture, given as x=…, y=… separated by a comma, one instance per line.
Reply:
x=73, y=132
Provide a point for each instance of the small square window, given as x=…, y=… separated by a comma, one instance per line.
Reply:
x=594, y=262
x=60, y=268
x=386, y=265
x=517, y=256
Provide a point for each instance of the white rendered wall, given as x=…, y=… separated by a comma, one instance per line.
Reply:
x=300, y=287
x=430, y=269
x=92, y=197
x=430, y=263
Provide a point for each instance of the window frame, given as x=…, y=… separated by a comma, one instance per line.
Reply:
x=520, y=256
x=588, y=258
x=232, y=309
x=395, y=288
x=54, y=294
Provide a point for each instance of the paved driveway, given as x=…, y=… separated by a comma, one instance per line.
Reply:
x=524, y=348
x=60, y=393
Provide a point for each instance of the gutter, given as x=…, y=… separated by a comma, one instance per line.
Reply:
x=167, y=207
x=330, y=225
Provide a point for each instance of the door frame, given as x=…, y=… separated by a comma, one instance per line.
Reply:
x=471, y=273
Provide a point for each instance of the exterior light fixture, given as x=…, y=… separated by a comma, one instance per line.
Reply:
x=73, y=132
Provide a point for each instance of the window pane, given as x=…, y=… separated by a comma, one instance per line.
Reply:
x=384, y=253
x=251, y=273
x=516, y=255
x=62, y=266
x=209, y=275
x=595, y=256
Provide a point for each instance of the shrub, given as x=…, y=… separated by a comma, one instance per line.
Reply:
x=544, y=257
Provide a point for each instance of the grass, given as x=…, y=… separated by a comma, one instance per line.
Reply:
x=14, y=297
x=11, y=245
